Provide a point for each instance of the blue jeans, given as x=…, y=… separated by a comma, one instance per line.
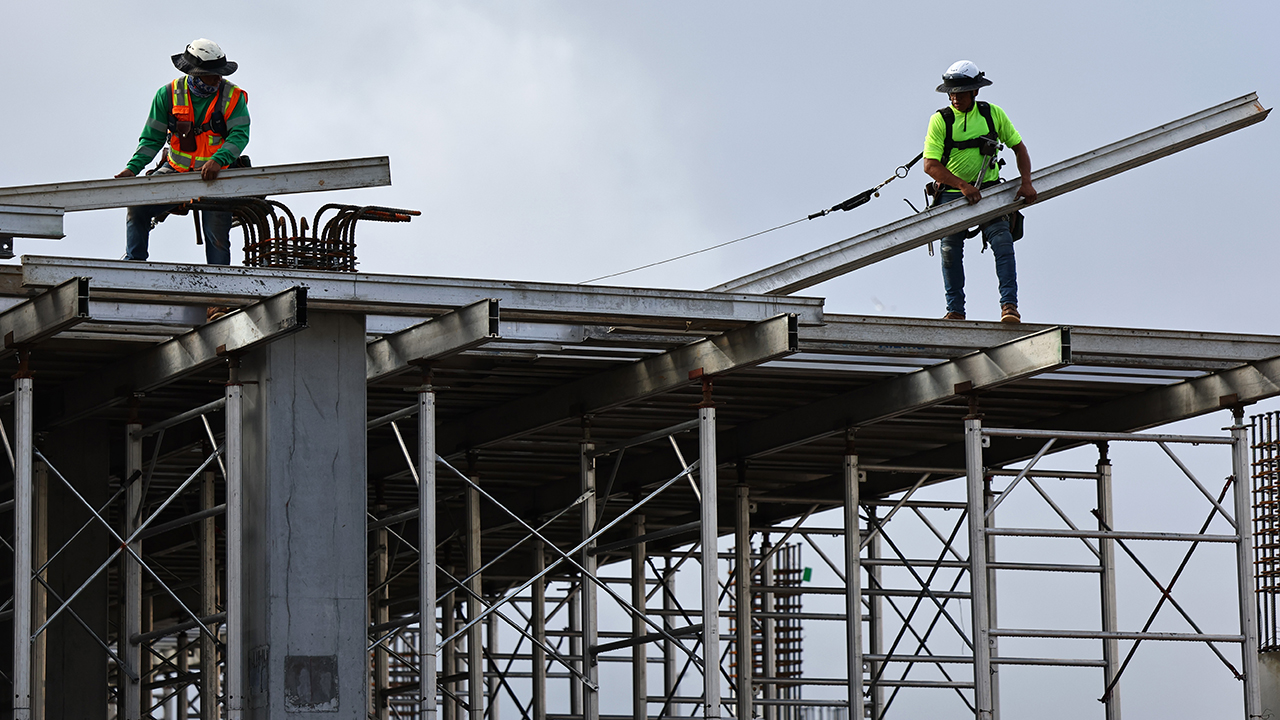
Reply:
x=996, y=233
x=216, y=225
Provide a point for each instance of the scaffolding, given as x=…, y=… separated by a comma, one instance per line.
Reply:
x=394, y=496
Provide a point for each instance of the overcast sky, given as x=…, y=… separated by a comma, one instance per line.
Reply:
x=559, y=141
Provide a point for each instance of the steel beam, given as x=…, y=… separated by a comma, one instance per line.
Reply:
x=853, y=586
x=639, y=651
x=29, y=221
x=733, y=350
x=742, y=574
x=372, y=293
x=1106, y=346
x=181, y=187
x=1246, y=587
x=985, y=369
x=446, y=335
x=45, y=315
x=237, y=627
x=590, y=607
x=1107, y=583
x=917, y=230
x=253, y=325
x=1245, y=384
x=983, y=700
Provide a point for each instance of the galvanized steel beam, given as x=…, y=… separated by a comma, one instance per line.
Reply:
x=1031, y=355
x=371, y=293
x=1124, y=347
x=181, y=187
x=45, y=315
x=898, y=237
x=31, y=222
x=1242, y=385
x=733, y=350
x=446, y=335
x=253, y=325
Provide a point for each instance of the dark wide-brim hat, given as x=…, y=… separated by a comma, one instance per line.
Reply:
x=962, y=83
x=192, y=65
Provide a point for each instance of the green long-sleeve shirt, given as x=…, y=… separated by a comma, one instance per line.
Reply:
x=155, y=133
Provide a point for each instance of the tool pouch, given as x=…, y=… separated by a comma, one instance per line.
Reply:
x=1015, y=224
x=185, y=130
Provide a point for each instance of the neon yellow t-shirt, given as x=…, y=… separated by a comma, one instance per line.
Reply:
x=965, y=163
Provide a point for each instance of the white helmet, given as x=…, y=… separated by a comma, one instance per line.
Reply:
x=962, y=76
x=204, y=57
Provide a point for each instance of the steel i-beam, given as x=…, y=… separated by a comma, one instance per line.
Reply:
x=22, y=543
x=427, y=553
x=180, y=187
x=917, y=230
x=853, y=585
x=983, y=700
x=1242, y=490
x=710, y=584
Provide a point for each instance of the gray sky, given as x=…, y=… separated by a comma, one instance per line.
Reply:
x=558, y=141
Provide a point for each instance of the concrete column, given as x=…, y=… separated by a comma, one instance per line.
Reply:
x=75, y=666
x=304, y=500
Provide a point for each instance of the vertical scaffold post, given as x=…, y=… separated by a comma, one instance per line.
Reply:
x=380, y=612
x=40, y=601
x=208, y=600
x=449, y=653
x=769, y=651
x=427, y=551
x=131, y=584
x=639, y=651
x=982, y=691
x=237, y=652
x=1107, y=563
x=493, y=679
x=590, y=630
x=670, y=671
x=538, y=612
x=742, y=597
x=875, y=623
x=993, y=598
x=709, y=538
x=22, y=508
x=1244, y=565
x=853, y=584
x=475, y=648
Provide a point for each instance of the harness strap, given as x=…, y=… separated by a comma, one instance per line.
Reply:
x=982, y=142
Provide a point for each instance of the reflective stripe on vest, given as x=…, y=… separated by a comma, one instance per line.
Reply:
x=949, y=143
x=208, y=142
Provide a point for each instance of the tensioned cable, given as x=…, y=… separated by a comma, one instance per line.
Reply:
x=853, y=202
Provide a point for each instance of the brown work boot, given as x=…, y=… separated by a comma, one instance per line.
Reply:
x=953, y=316
x=1009, y=313
x=215, y=312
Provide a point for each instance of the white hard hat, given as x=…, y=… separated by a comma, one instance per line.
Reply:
x=962, y=76
x=204, y=57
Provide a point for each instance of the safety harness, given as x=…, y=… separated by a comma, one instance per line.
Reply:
x=986, y=143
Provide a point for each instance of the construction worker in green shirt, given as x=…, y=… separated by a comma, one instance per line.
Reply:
x=204, y=121
x=961, y=143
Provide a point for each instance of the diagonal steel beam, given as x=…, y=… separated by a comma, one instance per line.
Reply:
x=252, y=325
x=45, y=315
x=446, y=335
x=912, y=232
x=181, y=187
x=1031, y=355
x=733, y=350
x=1245, y=384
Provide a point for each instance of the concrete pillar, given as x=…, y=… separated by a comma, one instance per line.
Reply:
x=76, y=667
x=304, y=500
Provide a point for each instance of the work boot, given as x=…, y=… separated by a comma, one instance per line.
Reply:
x=953, y=316
x=1009, y=313
x=215, y=312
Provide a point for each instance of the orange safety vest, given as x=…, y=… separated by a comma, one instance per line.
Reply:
x=192, y=145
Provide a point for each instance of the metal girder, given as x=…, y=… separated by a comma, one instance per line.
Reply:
x=1245, y=384
x=1127, y=347
x=732, y=350
x=31, y=222
x=372, y=293
x=181, y=187
x=912, y=232
x=1027, y=356
x=155, y=367
x=446, y=335
x=45, y=315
